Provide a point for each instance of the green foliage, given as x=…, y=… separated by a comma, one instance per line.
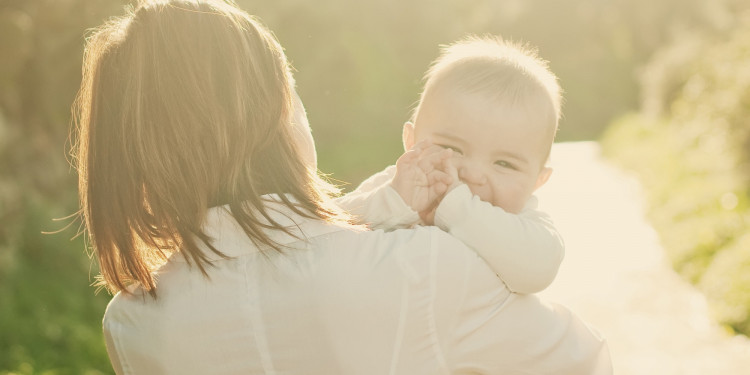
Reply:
x=49, y=318
x=691, y=152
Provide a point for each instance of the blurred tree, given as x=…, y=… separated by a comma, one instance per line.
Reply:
x=49, y=319
x=690, y=144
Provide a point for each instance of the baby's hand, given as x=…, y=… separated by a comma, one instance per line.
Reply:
x=428, y=215
x=421, y=179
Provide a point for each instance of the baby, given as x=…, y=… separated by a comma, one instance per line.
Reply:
x=476, y=151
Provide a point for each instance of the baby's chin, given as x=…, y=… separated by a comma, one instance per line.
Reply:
x=508, y=207
x=487, y=196
x=513, y=210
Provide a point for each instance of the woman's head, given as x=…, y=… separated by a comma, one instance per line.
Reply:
x=184, y=105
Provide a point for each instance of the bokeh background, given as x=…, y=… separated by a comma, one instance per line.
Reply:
x=664, y=85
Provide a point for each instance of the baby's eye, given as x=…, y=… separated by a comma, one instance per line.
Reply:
x=506, y=164
x=455, y=149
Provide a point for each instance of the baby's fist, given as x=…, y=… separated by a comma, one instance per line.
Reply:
x=421, y=179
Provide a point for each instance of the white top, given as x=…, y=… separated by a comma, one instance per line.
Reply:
x=525, y=250
x=413, y=301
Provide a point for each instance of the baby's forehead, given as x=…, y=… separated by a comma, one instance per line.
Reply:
x=535, y=107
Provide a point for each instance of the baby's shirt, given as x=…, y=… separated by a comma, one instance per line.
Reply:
x=525, y=249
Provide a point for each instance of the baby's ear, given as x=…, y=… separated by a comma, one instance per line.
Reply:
x=408, y=135
x=543, y=177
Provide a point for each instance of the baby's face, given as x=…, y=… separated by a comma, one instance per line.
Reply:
x=499, y=150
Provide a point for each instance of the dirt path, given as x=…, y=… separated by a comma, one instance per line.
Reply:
x=616, y=277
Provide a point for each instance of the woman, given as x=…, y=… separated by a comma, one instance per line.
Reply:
x=201, y=198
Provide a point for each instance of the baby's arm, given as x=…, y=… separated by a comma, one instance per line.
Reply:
x=525, y=250
x=375, y=203
x=392, y=199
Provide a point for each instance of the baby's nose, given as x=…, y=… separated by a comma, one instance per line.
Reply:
x=471, y=175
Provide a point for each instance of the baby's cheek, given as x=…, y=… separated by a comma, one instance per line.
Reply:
x=484, y=193
x=508, y=199
x=504, y=204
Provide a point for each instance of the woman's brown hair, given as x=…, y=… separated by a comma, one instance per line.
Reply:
x=184, y=105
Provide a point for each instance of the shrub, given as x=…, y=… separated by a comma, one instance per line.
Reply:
x=692, y=154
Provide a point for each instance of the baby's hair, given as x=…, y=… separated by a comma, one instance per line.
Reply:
x=504, y=70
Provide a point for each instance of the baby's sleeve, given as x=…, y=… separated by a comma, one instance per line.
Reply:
x=482, y=328
x=525, y=250
x=375, y=203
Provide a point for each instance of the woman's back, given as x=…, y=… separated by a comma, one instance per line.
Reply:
x=342, y=302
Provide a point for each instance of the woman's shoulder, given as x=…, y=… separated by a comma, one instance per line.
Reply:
x=418, y=238
x=418, y=247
